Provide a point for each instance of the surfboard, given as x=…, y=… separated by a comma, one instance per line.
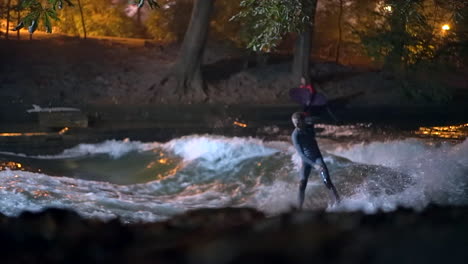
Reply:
x=303, y=96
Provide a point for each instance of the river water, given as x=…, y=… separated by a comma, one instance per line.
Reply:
x=152, y=181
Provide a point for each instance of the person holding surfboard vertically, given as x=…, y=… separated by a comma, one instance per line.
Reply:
x=310, y=89
x=307, y=96
x=303, y=138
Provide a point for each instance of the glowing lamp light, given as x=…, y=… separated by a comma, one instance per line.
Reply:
x=388, y=8
x=63, y=131
x=239, y=124
x=446, y=27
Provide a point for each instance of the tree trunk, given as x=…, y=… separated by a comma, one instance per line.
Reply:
x=139, y=17
x=301, y=61
x=187, y=70
x=18, y=18
x=8, y=19
x=394, y=60
x=82, y=18
x=340, y=33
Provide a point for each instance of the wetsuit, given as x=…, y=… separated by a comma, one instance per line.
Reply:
x=306, y=146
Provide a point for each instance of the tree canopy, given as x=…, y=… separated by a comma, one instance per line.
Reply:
x=46, y=11
x=268, y=21
x=406, y=33
x=393, y=32
x=102, y=19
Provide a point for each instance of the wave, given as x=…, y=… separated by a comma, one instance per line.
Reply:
x=217, y=152
x=215, y=171
x=437, y=169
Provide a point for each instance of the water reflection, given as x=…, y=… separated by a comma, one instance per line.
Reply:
x=450, y=132
x=32, y=134
x=134, y=168
x=11, y=165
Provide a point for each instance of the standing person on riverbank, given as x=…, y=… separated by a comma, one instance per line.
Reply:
x=311, y=100
x=303, y=138
x=312, y=92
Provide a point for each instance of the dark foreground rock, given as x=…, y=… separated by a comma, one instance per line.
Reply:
x=435, y=235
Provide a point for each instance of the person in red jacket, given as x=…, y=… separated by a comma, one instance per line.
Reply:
x=307, y=96
x=307, y=86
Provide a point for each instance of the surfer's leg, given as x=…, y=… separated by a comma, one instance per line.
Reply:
x=322, y=167
x=305, y=171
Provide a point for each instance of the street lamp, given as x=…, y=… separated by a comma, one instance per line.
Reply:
x=446, y=27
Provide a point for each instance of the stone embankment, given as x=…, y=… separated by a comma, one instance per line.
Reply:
x=241, y=235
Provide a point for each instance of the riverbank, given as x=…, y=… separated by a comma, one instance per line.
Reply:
x=66, y=71
x=118, y=85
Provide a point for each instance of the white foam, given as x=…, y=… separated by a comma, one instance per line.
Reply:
x=215, y=149
x=216, y=152
x=113, y=148
x=26, y=191
x=391, y=153
x=342, y=131
x=438, y=172
x=278, y=197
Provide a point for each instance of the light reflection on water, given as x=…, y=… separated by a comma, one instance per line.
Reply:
x=129, y=169
x=449, y=132
x=11, y=165
x=32, y=134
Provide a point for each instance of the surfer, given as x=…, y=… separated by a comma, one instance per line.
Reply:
x=303, y=138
